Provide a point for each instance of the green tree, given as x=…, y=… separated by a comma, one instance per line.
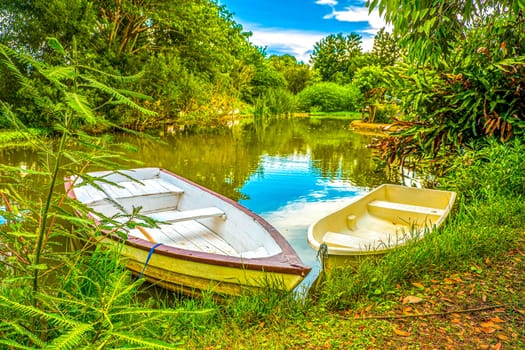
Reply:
x=265, y=78
x=297, y=74
x=386, y=50
x=196, y=38
x=337, y=57
x=370, y=81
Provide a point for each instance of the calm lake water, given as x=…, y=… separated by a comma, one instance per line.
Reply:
x=288, y=171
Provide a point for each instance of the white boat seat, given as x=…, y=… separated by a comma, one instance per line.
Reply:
x=333, y=239
x=89, y=194
x=377, y=204
x=193, y=214
x=127, y=189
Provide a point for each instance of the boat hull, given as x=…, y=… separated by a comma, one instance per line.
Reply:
x=190, y=277
x=386, y=218
x=202, y=240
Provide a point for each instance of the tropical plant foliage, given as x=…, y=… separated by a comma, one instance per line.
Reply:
x=189, y=56
x=467, y=87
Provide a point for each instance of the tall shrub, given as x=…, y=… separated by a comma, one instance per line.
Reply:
x=328, y=97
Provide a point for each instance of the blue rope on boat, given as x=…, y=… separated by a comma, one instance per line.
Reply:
x=147, y=259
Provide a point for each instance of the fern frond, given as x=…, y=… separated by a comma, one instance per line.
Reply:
x=71, y=339
x=80, y=104
x=34, y=312
x=145, y=343
x=160, y=312
x=24, y=59
x=59, y=73
x=135, y=94
x=124, y=79
x=117, y=95
x=120, y=288
x=8, y=54
x=11, y=344
x=69, y=300
x=24, y=332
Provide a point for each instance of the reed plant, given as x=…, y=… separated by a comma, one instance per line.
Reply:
x=273, y=103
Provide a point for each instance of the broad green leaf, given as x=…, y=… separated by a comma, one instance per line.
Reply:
x=55, y=45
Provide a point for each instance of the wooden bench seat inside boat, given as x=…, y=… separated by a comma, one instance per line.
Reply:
x=404, y=208
x=193, y=235
x=193, y=214
x=127, y=189
x=146, y=187
x=333, y=239
x=188, y=234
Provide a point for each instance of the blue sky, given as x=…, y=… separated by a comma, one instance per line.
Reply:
x=294, y=26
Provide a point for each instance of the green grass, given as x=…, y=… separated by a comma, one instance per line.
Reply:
x=346, y=115
x=10, y=138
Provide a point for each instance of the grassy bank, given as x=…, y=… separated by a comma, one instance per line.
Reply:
x=348, y=115
x=461, y=287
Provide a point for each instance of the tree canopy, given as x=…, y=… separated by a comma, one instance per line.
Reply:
x=337, y=57
x=191, y=54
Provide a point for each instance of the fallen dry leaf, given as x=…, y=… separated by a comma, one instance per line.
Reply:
x=412, y=299
x=487, y=330
x=401, y=332
x=497, y=346
x=490, y=324
x=496, y=319
x=502, y=336
x=418, y=285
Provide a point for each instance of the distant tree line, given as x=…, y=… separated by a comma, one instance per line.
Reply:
x=188, y=61
x=451, y=72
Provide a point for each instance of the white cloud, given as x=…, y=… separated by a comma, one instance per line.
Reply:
x=326, y=2
x=297, y=43
x=360, y=14
x=301, y=43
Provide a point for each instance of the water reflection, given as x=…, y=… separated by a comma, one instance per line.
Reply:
x=289, y=171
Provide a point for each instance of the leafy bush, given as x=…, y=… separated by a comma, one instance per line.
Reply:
x=494, y=171
x=386, y=111
x=329, y=97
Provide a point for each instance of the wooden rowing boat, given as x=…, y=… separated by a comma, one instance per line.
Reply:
x=202, y=241
x=386, y=218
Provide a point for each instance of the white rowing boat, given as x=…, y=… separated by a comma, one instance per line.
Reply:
x=203, y=240
x=386, y=218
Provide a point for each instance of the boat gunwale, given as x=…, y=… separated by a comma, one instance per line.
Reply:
x=287, y=261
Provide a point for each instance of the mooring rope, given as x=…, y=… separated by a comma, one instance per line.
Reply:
x=147, y=259
x=322, y=254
